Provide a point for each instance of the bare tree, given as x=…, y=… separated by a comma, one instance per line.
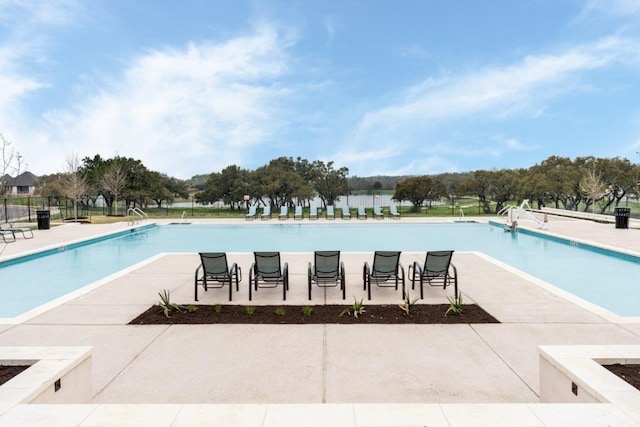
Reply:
x=11, y=161
x=114, y=181
x=592, y=187
x=72, y=184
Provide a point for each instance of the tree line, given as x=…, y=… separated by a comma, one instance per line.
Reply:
x=282, y=182
x=587, y=183
x=116, y=179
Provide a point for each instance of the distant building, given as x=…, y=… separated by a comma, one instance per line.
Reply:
x=22, y=185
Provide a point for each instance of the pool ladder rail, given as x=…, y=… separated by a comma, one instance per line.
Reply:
x=135, y=215
x=513, y=214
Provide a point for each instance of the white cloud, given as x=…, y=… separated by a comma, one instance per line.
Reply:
x=595, y=8
x=182, y=111
x=491, y=94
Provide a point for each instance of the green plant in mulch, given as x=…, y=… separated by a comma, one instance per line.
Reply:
x=456, y=305
x=217, y=308
x=307, y=310
x=280, y=311
x=165, y=303
x=191, y=308
x=408, y=303
x=357, y=308
x=250, y=309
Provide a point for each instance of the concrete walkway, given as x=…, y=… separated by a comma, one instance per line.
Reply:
x=316, y=364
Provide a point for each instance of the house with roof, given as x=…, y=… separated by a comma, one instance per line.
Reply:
x=22, y=185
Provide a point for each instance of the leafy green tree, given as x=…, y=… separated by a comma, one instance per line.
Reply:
x=280, y=182
x=419, y=189
x=330, y=183
x=230, y=185
x=50, y=186
x=162, y=188
x=480, y=185
x=619, y=175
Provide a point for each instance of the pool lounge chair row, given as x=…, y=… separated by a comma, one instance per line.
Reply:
x=284, y=213
x=326, y=270
x=361, y=213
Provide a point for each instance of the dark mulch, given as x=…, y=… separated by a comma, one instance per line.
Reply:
x=7, y=372
x=629, y=373
x=388, y=314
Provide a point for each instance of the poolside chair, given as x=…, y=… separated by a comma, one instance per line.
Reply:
x=346, y=213
x=266, y=272
x=284, y=213
x=298, y=213
x=386, y=267
x=313, y=212
x=377, y=212
x=326, y=271
x=437, y=270
x=393, y=212
x=330, y=212
x=266, y=212
x=362, y=213
x=252, y=212
x=26, y=232
x=214, y=272
x=8, y=236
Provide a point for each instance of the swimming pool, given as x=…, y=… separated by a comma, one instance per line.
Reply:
x=600, y=278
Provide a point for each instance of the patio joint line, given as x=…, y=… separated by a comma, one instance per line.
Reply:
x=324, y=363
x=503, y=360
x=137, y=355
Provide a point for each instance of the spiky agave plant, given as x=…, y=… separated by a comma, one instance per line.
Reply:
x=456, y=305
x=165, y=303
x=357, y=307
x=408, y=303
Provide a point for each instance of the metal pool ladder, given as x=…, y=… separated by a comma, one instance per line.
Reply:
x=134, y=215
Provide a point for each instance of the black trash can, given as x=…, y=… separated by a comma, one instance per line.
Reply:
x=43, y=219
x=622, y=217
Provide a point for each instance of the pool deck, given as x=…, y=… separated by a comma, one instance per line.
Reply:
x=360, y=375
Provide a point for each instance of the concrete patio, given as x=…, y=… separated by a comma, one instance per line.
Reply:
x=438, y=373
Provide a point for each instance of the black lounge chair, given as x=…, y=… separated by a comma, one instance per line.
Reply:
x=326, y=271
x=214, y=272
x=266, y=272
x=386, y=267
x=437, y=270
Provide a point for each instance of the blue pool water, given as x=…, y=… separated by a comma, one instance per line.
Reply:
x=600, y=278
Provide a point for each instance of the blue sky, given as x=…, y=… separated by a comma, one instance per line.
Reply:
x=382, y=87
